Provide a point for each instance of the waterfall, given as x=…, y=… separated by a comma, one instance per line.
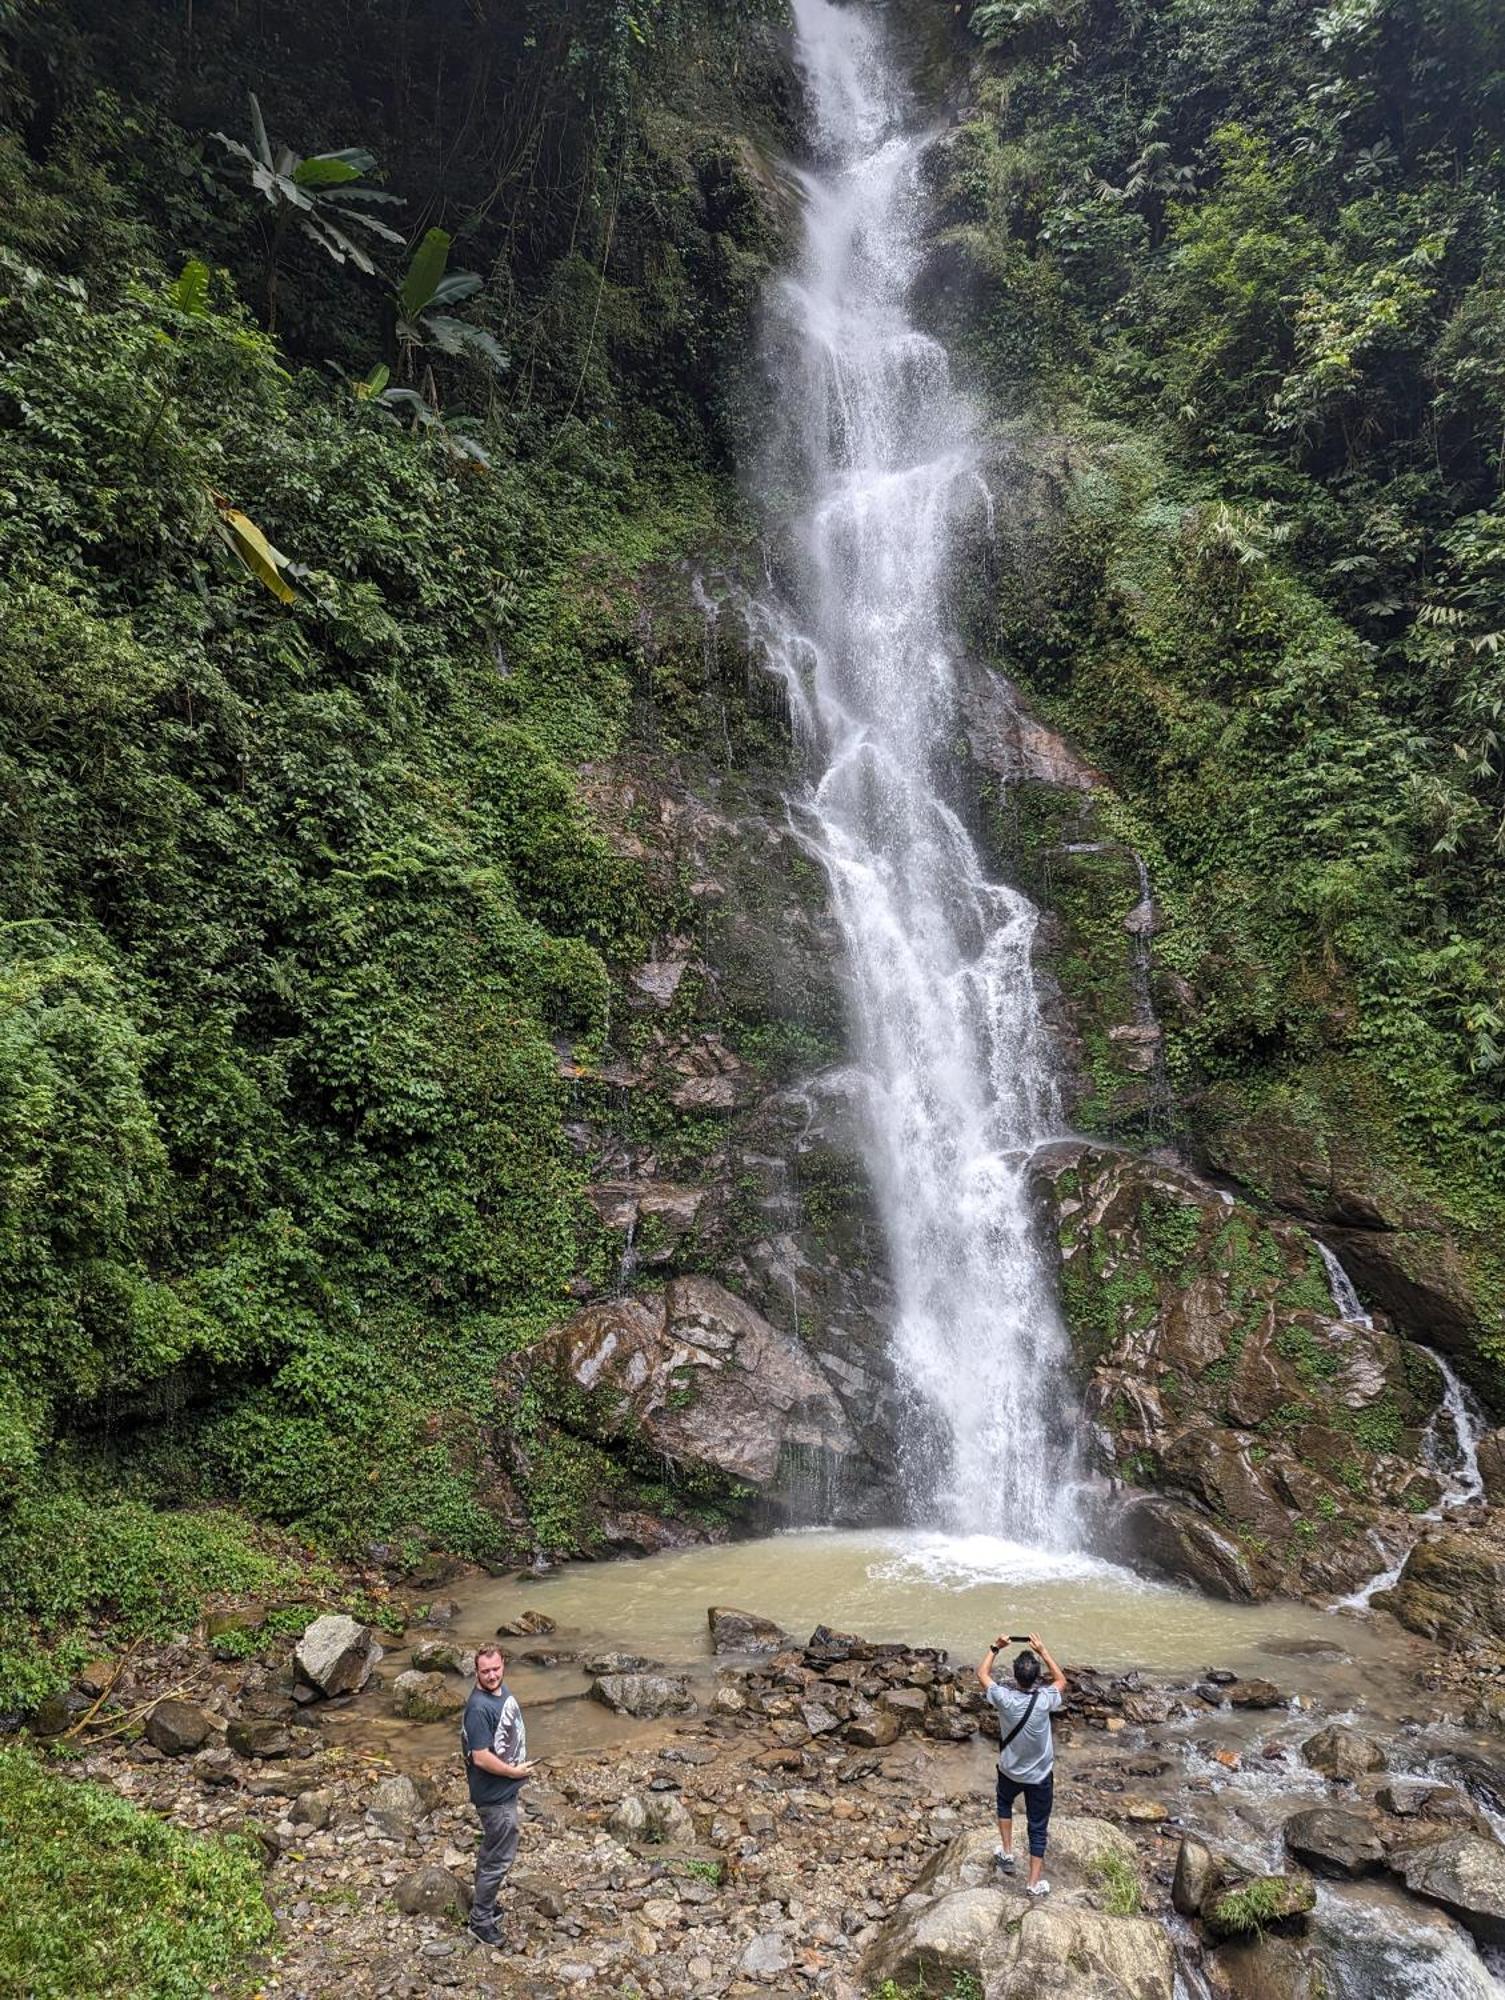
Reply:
x=1455, y=1459
x=872, y=471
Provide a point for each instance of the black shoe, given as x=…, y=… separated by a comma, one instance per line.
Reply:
x=486, y=1931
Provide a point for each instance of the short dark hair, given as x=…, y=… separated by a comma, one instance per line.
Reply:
x=1027, y=1668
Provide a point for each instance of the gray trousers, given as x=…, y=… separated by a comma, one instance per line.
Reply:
x=497, y=1854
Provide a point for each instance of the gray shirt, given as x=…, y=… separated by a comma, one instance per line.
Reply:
x=1032, y=1754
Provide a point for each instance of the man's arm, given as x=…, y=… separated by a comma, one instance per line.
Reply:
x=1057, y=1678
x=985, y=1666
x=488, y=1760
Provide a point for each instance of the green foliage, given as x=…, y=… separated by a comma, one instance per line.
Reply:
x=1250, y=1908
x=1117, y=1881
x=98, y=1897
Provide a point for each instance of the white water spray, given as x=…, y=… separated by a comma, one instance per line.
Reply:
x=875, y=453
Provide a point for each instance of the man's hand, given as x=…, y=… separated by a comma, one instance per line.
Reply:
x=1000, y=1642
x=1038, y=1643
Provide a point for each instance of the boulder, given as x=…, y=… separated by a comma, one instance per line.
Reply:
x=1330, y=1841
x=1075, y=1954
x=1082, y=1851
x=396, y=1805
x=424, y=1697
x=313, y=1809
x=1180, y=1543
x=177, y=1728
x=617, y=1663
x=1465, y=1873
x=766, y=1956
x=1342, y=1753
x=1198, y=1872
x=742, y=1631
x=644, y=1694
x=873, y=1728
x=1259, y=1903
x=696, y=1374
x=658, y=1818
x=906, y=1705
x=439, y=1656
x=430, y=1891
x=1424, y=1799
x=928, y=1949
x=1452, y=1587
x=335, y=1655
x=1254, y=1694
x=528, y=1625
x=250, y=1737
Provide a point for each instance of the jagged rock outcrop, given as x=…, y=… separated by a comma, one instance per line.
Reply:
x=1256, y=1439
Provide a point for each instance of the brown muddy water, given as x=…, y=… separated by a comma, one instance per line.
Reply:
x=924, y=1589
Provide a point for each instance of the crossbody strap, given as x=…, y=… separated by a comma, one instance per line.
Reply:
x=1029, y=1709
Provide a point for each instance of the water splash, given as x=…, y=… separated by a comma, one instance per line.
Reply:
x=874, y=455
x=1345, y=1298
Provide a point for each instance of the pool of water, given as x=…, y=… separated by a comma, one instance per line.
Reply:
x=928, y=1590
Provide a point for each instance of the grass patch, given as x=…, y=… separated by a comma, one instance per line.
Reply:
x=99, y=1898
x=1118, y=1883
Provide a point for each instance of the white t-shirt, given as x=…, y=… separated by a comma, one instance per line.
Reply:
x=1032, y=1754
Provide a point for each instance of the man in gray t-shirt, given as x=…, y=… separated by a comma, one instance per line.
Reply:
x=1026, y=1751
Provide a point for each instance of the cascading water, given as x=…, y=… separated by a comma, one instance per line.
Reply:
x=875, y=460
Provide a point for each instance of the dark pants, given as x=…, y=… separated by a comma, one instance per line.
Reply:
x=497, y=1853
x=1037, y=1804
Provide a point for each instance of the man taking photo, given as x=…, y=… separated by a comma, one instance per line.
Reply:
x=495, y=1745
x=1026, y=1749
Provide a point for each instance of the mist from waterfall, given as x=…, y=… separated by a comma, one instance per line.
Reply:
x=872, y=475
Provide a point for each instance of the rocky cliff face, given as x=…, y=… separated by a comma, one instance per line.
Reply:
x=1257, y=1443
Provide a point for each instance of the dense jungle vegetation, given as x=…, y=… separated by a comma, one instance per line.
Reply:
x=319, y=534
x=328, y=480
x=1242, y=268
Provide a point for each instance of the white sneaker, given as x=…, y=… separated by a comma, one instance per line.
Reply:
x=1004, y=1863
x=1040, y=1888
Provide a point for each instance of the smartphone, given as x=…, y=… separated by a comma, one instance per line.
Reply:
x=1018, y=1638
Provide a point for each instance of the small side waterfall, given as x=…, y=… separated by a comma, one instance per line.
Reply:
x=873, y=466
x=1450, y=1444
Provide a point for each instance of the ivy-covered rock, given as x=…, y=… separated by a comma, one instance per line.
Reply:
x=1217, y=1376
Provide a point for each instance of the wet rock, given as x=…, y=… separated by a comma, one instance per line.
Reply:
x=1453, y=1586
x=656, y=1817
x=1466, y=1875
x=1083, y=1850
x=818, y=1719
x=1422, y=1798
x=528, y=1625
x=177, y=1728
x=1179, y=1542
x=735, y=1631
x=1255, y=1694
x=421, y=1697
x=430, y=1892
x=596, y=1664
x=335, y=1655
x=644, y=1694
x=216, y=1766
x=251, y=1738
x=438, y=1656
x=1342, y=1753
x=1491, y=1450
x=1074, y=1954
x=906, y=1705
x=1198, y=1872
x=1262, y=1902
x=1332, y=1842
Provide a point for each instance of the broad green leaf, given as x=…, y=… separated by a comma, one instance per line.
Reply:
x=318, y=229
x=190, y=294
x=374, y=383
x=456, y=286
x=253, y=548
x=456, y=336
x=325, y=170
x=425, y=273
